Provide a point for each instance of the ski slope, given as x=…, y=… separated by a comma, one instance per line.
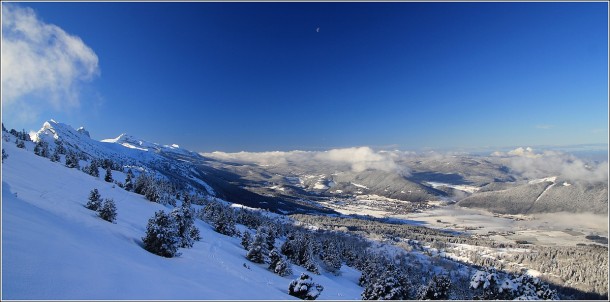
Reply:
x=53, y=248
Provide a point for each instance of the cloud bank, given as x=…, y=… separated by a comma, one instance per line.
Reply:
x=41, y=59
x=359, y=159
x=531, y=164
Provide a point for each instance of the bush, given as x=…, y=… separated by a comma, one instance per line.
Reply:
x=304, y=288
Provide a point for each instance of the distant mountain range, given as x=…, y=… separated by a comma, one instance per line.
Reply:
x=300, y=182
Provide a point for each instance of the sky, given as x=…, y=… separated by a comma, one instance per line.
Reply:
x=311, y=76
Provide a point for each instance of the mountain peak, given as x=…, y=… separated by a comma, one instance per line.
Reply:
x=82, y=131
x=54, y=130
x=131, y=141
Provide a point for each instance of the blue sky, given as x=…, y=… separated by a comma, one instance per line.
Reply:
x=259, y=77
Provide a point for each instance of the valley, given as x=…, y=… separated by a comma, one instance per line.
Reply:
x=445, y=213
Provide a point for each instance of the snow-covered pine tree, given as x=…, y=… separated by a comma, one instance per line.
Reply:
x=129, y=180
x=527, y=287
x=278, y=264
x=388, y=286
x=246, y=240
x=185, y=220
x=162, y=235
x=274, y=259
x=309, y=261
x=330, y=256
x=225, y=222
x=95, y=201
x=304, y=288
x=488, y=285
x=4, y=155
x=436, y=289
x=258, y=248
x=108, y=176
x=270, y=236
x=288, y=248
x=282, y=268
x=108, y=210
x=370, y=269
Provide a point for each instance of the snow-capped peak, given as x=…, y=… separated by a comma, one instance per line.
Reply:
x=52, y=130
x=132, y=142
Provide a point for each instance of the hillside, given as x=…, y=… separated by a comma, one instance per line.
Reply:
x=55, y=248
x=548, y=195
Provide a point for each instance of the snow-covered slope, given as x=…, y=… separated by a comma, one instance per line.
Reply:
x=55, y=248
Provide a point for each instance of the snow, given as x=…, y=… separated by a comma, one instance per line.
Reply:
x=360, y=186
x=53, y=248
x=320, y=186
x=537, y=181
x=533, y=273
x=465, y=188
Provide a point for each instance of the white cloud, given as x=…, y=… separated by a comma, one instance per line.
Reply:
x=43, y=60
x=531, y=164
x=357, y=158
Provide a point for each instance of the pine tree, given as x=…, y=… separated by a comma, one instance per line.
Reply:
x=71, y=160
x=95, y=201
x=330, y=256
x=20, y=144
x=41, y=149
x=387, y=286
x=4, y=155
x=45, y=150
x=55, y=156
x=488, y=285
x=436, y=289
x=270, y=237
x=304, y=288
x=185, y=220
x=108, y=176
x=246, y=240
x=282, y=268
x=274, y=259
x=257, y=248
x=308, y=259
x=128, y=180
x=59, y=147
x=278, y=264
x=38, y=148
x=224, y=222
x=531, y=288
x=162, y=236
x=93, y=169
x=108, y=210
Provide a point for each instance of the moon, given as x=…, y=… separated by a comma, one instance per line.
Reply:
x=318, y=29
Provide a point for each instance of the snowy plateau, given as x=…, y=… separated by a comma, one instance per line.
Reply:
x=445, y=228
